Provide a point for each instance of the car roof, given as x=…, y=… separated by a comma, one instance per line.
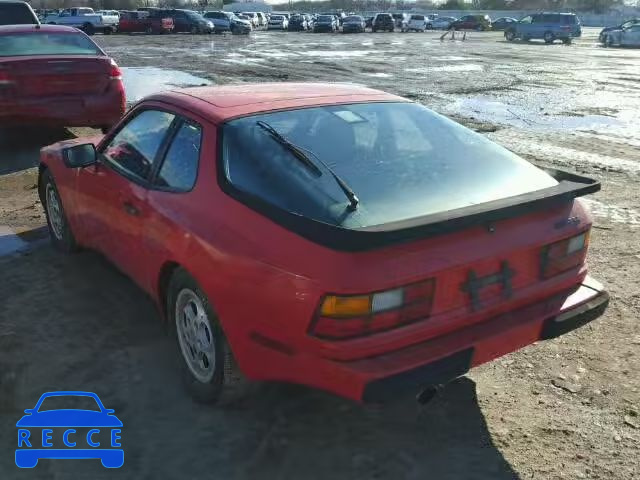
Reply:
x=35, y=28
x=221, y=103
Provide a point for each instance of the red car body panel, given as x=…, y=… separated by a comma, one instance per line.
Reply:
x=266, y=282
x=59, y=90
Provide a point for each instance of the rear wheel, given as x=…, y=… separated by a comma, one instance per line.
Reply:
x=207, y=365
x=566, y=41
x=510, y=35
x=108, y=30
x=59, y=228
x=549, y=37
x=149, y=30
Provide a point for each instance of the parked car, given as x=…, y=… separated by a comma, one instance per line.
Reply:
x=149, y=22
x=298, y=23
x=188, y=21
x=278, y=22
x=108, y=13
x=624, y=25
x=503, y=23
x=325, y=23
x=17, y=13
x=429, y=20
x=253, y=18
x=472, y=22
x=383, y=22
x=628, y=36
x=85, y=19
x=221, y=20
x=262, y=19
x=417, y=23
x=441, y=23
x=240, y=25
x=363, y=281
x=56, y=75
x=546, y=26
x=401, y=21
x=353, y=24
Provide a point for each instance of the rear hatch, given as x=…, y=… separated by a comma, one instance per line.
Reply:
x=37, y=77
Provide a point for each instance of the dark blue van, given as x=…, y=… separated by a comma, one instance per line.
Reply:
x=545, y=26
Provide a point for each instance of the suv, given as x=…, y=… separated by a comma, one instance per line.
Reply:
x=472, y=22
x=17, y=13
x=546, y=26
x=383, y=21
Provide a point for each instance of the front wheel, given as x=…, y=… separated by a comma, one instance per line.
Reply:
x=510, y=35
x=59, y=228
x=206, y=363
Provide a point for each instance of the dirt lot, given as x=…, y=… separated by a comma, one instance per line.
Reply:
x=567, y=408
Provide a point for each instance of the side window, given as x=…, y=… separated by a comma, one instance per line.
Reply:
x=526, y=19
x=536, y=19
x=180, y=166
x=135, y=146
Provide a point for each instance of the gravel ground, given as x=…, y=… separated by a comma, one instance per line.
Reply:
x=567, y=408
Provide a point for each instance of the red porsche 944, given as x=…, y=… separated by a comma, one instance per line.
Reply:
x=327, y=235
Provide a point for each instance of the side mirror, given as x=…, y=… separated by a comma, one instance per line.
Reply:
x=80, y=156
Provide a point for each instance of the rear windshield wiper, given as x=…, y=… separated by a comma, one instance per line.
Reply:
x=299, y=153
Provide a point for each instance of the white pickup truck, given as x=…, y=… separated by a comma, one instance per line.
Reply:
x=85, y=19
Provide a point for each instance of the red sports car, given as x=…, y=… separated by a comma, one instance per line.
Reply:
x=55, y=75
x=328, y=235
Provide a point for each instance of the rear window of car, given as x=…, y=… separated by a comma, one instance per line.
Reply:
x=47, y=43
x=383, y=16
x=353, y=19
x=401, y=160
x=417, y=17
x=16, y=14
x=325, y=18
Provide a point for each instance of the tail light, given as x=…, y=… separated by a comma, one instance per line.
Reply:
x=114, y=71
x=343, y=317
x=564, y=255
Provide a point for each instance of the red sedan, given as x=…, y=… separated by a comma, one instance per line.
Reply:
x=57, y=76
x=329, y=235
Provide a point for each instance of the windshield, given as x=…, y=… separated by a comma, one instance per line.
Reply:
x=276, y=17
x=401, y=160
x=39, y=43
x=325, y=18
x=353, y=19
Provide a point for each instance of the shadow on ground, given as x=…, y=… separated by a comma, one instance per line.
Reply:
x=20, y=147
x=74, y=323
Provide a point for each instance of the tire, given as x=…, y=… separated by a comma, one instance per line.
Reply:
x=88, y=29
x=194, y=30
x=510, y=35
x=608, y=41
x=548, y=37
x=566, y=41
x=59, y=229
x=218, y=379
x=149, y=30
x=480, y=28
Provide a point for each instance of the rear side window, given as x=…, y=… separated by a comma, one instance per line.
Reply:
x=180, y=166
x=417, y=17
x=16, y=14
x=135, y=147
x=569, y=19
x=46, y=43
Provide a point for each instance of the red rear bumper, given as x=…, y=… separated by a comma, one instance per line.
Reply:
x=64, y=111
x=449, y=356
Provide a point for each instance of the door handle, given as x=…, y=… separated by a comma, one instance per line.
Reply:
x=130, y=209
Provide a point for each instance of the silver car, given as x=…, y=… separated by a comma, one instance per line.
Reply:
x=623, y=37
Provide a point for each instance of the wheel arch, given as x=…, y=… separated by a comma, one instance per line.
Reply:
x=162, y=285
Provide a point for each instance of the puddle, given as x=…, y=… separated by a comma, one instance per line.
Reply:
x=472, y=67
x=493, y=111
x=142, y=81
x=613, y=213
x=379, y=75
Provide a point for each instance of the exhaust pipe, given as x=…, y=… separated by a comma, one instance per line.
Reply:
x=427, y=394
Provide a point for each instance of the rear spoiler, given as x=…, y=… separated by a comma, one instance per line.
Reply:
x=570, y=186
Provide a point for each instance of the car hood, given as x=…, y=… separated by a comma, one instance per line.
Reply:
x=69, y=418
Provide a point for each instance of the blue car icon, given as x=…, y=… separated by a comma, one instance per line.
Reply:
x=35, y=431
